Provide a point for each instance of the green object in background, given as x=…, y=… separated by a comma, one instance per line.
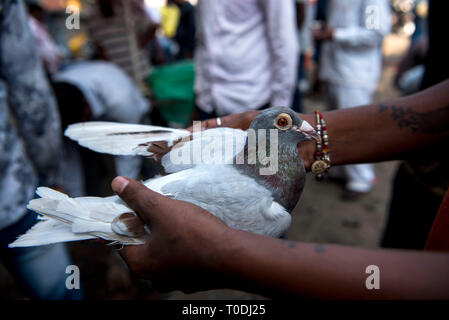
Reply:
x=172, y=87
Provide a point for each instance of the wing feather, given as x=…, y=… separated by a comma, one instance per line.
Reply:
x=212, y=146
x=121, y=138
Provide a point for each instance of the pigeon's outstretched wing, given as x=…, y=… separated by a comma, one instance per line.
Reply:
x=212, y=146
x=123, y=139
x=178, y=149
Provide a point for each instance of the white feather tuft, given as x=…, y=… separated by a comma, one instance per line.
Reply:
x=72, y=219
x=48, y=232
x=121, y=138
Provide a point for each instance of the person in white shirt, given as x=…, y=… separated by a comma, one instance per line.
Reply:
x=246, y=55
x=350, y=65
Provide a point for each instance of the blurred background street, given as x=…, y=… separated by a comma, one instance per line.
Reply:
x=320, y=216
x=159, y=62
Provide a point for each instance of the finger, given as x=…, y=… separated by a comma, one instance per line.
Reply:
x=132, y=254
x=163, y=284
x=212, y=123
x=99, y=241
x=129, y=224
x=143, y=201
x=231, y=121
x=129, y=252
x=208, y=124
x=204, y=125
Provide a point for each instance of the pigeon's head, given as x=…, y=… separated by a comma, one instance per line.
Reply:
x=291, y=128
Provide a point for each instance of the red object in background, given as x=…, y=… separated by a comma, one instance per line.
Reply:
x=53, y=5
x=439, y=234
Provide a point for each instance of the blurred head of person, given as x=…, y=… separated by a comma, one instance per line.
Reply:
x=36, y=11
x=72, y=105
x=175, y=2
x=106, y=8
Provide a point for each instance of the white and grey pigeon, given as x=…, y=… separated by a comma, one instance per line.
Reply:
x=229, y=184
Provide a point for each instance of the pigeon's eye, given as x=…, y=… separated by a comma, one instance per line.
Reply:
x=283, y=121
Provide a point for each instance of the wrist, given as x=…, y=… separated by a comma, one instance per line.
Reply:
x=306, y=149
x=250, y=115
x=306, y=152
x=331, y=33
x=231, y=248
x=224, y=249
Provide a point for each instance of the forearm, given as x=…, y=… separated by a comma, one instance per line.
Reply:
x=190, y=249
x=285, y=268
x=357, y=37
x=390, y=130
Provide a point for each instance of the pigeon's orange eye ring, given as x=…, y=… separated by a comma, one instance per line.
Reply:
x=283, y=121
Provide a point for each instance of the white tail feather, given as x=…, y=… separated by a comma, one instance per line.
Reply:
x=48, y=232
x=71, y=219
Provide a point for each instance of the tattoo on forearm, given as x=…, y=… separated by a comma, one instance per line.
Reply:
x=288, y=243
x=432, y=122
x=319, y=248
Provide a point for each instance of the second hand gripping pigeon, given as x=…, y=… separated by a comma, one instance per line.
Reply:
x=235, y=188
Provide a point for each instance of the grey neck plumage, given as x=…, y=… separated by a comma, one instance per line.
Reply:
x=287, y=182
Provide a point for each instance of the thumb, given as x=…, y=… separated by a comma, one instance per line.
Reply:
x=142, y=200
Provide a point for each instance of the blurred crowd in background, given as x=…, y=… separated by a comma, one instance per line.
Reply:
x=248, y=56
x=168, y=63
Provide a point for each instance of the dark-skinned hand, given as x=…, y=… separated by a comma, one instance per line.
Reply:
x=240, y=120
x=323, y=34
x=181, y=252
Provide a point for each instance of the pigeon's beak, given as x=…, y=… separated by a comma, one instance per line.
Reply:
x=308, y=131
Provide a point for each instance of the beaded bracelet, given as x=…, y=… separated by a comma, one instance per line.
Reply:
x=322, y=161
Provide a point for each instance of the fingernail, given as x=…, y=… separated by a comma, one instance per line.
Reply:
x=119, y=184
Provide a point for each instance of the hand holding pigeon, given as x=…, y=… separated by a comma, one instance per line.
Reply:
x=176, y=227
